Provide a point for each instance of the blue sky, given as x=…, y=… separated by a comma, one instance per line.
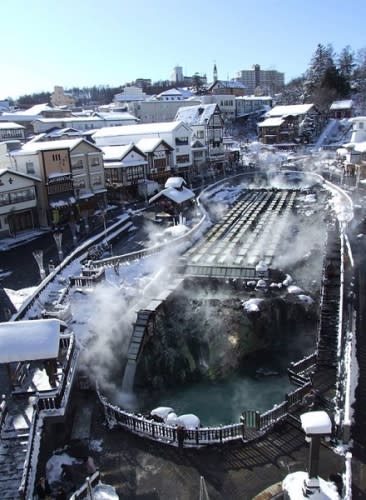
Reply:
x=85, y=42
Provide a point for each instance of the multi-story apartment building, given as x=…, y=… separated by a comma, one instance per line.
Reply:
x=269, y=81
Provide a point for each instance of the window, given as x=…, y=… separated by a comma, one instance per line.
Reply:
x=97, y=180
x=77, y=164
x=181, y=141
x=4, y=199
x=27, y=194
x=29, y=167
x=182, y=158
x=94, y=161
x=56, y=157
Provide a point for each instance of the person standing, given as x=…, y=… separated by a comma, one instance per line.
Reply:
x=181, y=434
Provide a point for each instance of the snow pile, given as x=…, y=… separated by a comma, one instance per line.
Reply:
x=296, y=290
x=306, y=299
x=162, y=412
x=96, y=445
x=19, y=296
x=252, y=305
x=104, y=492
x=176, y=231
x=54, y=466
x=189, y=421
x=275, y=285
x=293, y=484
x=287, y=281
x=261, y=267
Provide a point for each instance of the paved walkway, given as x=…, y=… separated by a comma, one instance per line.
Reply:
x=142, y=469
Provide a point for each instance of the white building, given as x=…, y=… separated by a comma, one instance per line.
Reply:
x=207, y=125
x=252, y=104
x=156, y=111
x=176, y=134
x=84, y=123
x=358, y=129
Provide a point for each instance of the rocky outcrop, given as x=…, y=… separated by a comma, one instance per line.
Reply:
x=208, y=337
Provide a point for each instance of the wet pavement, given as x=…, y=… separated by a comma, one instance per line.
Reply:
x=143, y=469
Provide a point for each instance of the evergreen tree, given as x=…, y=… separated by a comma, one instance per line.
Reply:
x=346, y=63
x=293, y=93
x=320, y=62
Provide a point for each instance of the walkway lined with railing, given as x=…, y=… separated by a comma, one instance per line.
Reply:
x=251, y=426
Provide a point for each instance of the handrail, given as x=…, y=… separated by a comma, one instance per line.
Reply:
x=81, y=253
x=167, y=434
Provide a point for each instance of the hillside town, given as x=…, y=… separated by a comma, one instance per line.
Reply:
x=182, y=207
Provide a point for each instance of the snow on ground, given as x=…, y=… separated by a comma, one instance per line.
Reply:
x=306, y=299
x=54, y=466
x=104, y=492
x=19, y=296
x=293, y=484
x=296, y=290
x=252, y=305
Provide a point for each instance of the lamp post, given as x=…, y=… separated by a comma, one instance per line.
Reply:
x=38, y=255
x=57, y=236
x=316, y=425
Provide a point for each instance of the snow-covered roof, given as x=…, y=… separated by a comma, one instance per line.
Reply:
x=57, y=132
x=271, y=122
x=170, y=93
x=254, y=98
x=228, y=84
x=290, y=110
x=149, y=145
x=29, y=340
x=20, y=174
x=35, y=147
x=116, y=116
x=316, y=422
x=177, y=196
x=346, y=104
x=360, y=147
x=12, y=125
x=196, y=115
x=175, y=182
x=116, y=152
x=37, y=109
x=141, y=129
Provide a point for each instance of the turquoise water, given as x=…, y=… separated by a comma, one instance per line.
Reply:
x=223, y=402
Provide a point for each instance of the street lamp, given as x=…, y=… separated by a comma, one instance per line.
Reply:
x=57, y=236
x=38, y=255
x=316, y=424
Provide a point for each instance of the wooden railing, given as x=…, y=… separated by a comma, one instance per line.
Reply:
x=80, y=253
x=88, y=279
